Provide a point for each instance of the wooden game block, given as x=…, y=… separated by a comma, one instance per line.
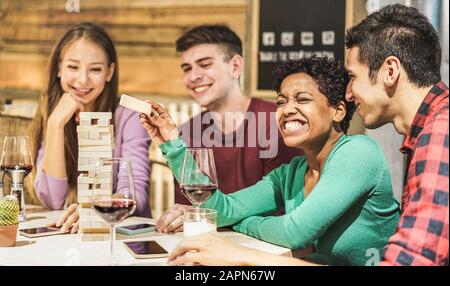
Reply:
x=104, y=148
x=94, y=230
x=85, y=212
x=85, y=122
x=90, y=219
x=101, y=192
x=83, y=135
x=94, y=237
x=85, y=186
x=94, y=135
x=103, y=122
x=96, y=142
x=84, y=192
x=94, y=156
x=91, y=128
x=84, y=200
x=85, y=205
x=85, y=179
x=83, y=161
x=135, y=104
x=95, y=115
x=99, y=225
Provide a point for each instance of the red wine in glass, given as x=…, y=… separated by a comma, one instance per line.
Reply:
x=114, y=210
x=198, y=194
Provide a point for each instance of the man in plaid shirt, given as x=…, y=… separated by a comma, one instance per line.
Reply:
x=394, y=59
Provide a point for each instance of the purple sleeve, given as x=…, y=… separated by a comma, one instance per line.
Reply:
x=51, y=191
x=133, y=143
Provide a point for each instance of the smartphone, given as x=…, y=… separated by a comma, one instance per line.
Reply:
x=40, y=231
x=146, y=249
x=136, y=228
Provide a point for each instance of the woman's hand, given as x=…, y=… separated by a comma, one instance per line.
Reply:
x=69, y=220
x=172, y=219
x=159, y=124
x=209, y=249
x=67, y=106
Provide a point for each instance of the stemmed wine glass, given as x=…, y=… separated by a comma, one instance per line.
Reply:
x=198, y=177
x=15, y=162
x=114, y=195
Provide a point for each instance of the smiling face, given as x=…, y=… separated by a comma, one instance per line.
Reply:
x=371, y=100
x=304, y=115
x=207, y=73
x=84, y=70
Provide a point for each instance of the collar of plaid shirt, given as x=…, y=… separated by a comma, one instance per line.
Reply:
x=432, y=101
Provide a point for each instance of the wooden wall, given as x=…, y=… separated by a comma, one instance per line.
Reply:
x=144, y=33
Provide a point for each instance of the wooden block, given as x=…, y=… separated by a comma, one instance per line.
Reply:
x=85, y=205
x=94, y=156
x=90, y=219
x=85, y=179
x=83, y=135
x=85, y=122
x=94, y=236
x=93, y=135
x=99, y=225
x=85, y=211
x=103, y=122
x=135, y=104
x=85, y=186
x=95, y=115
x=94, y=230
x=100, y=192
x=83, y=161
x=104, y=148
x=101, y=129
x=97, y=142
x=84, y=193
x=84, y=200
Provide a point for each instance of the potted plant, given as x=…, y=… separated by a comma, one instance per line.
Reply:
x=9, y=220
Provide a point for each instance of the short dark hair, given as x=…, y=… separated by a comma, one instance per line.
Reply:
x=330, y=76
x=403, y=32
x=211, y=34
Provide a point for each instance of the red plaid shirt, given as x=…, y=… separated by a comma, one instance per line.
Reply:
x=422, y=232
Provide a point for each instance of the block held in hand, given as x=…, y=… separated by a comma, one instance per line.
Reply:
x=135, y=104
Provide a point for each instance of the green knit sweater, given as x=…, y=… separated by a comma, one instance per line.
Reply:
x=348, y=216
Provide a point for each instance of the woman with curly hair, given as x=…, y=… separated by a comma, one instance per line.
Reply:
x=337, y=198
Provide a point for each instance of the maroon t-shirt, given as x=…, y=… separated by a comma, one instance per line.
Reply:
x=245, y=156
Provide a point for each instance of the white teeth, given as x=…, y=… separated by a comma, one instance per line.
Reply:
x=82, y=90
x=293, y=125
x=200, y=89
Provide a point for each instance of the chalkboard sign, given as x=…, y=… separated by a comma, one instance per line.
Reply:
x=292, y=29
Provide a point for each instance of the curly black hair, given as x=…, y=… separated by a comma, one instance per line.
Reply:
x=330, y=76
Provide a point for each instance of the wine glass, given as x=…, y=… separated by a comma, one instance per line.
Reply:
x=114, y=195
x=198, y=177
x=15, y=162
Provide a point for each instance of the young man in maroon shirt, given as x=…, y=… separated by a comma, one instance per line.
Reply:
x=241, y=130
x=394, y=61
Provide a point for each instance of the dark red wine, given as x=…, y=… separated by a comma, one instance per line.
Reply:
x=26, y=169
x=114, y=210
x=198, y=194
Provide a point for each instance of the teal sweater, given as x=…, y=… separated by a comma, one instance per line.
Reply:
x=350, y=213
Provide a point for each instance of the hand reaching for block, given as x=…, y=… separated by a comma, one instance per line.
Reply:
x=159, y=124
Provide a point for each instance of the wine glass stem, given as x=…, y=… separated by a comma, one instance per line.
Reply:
x=113, y=240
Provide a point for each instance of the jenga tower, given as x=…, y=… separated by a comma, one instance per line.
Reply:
x=95, y=141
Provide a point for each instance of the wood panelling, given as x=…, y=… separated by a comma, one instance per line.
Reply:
x=144, y=33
